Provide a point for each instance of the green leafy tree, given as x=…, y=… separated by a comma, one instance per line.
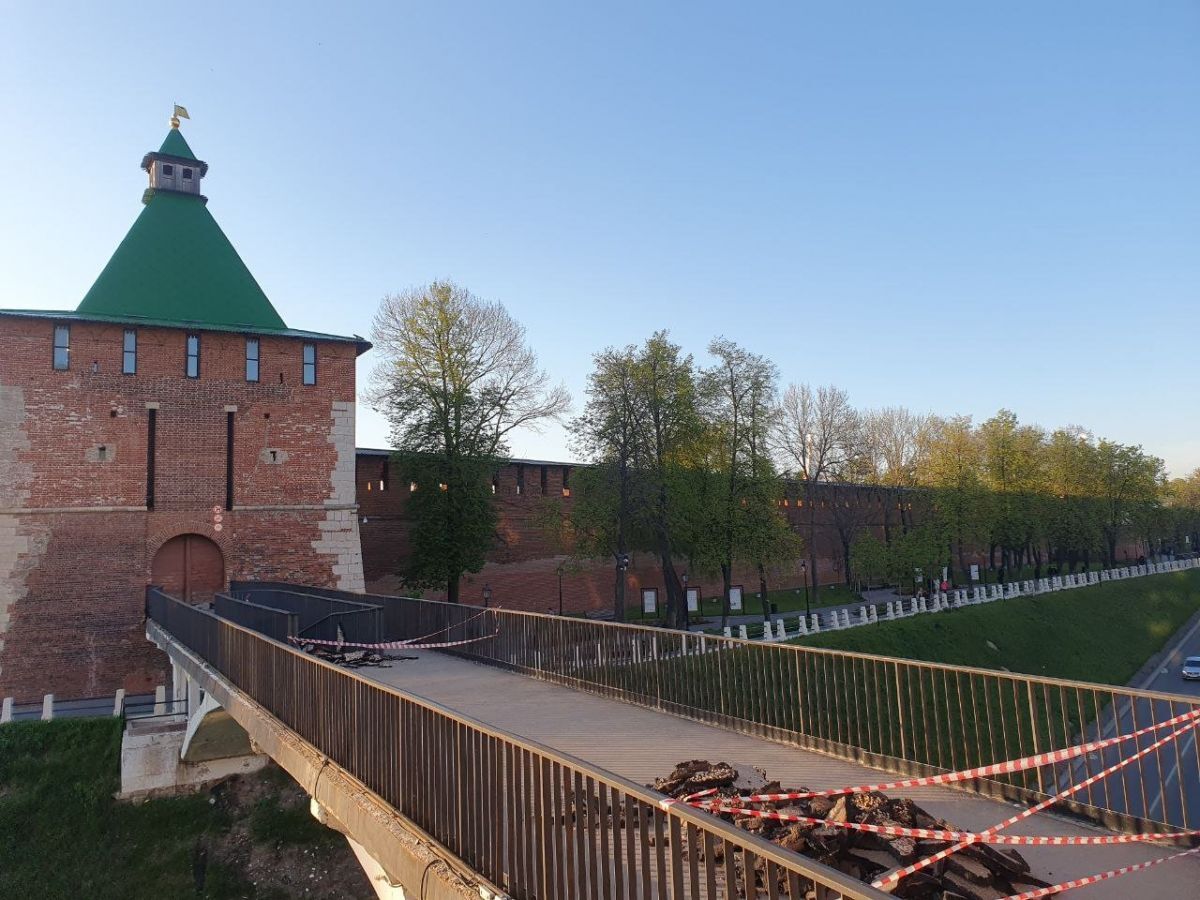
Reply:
x=1011, y=462
x=742, y=490
x=603, y=520
x=668, y=429
x=454, y=380
x=1129, y=485
x=869, y=559
x=950, y=468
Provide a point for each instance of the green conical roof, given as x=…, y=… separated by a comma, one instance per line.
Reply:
x=176, y=265
x=175, y=145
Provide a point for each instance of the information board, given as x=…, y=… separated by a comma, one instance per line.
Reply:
x=650, y=600
x=693, y=598
x=735, y=597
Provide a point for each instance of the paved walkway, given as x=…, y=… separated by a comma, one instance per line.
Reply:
x=642, y=744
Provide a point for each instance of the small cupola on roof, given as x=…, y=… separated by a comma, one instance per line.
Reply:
x=175, y=264
x=175, y=167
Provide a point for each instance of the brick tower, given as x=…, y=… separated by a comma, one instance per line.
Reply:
x=170, y=430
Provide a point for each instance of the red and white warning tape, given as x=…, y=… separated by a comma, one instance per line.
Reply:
x=409, y=643
x=1012, y=840
x=465, y=621
x=1002, y=768
x=1093, y=879
x=395, y=645
x=1190, y=720
x=900, y=874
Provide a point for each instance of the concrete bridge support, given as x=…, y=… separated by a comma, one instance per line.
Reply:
x=400, y=859
x=190, y=742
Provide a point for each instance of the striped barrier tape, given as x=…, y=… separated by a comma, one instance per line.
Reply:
x=1012, y=840
x=395, y=645
x=447, y=627
x=896, y=876
x=1003, y=768
x=1093, y=879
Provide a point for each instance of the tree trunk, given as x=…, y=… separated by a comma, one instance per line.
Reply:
x=676, y=604
x=762, y=587
x=846, y=559
x=452, y=589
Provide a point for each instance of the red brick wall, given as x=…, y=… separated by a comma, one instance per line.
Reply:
x=523, y=564
x=522, y=568
x=72, y=582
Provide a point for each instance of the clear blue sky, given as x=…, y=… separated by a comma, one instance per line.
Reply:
x=952, y=206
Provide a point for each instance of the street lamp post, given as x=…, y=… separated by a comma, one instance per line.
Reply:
x=487, y=594
x=560, y=575
x=684, y=579
x=804, y=576
x=622, y=565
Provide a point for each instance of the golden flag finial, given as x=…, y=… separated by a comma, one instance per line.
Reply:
x=180, y=113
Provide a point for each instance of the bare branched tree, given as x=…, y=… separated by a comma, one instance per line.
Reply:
x=455, y=379
x=455, y=372
x=818, y=438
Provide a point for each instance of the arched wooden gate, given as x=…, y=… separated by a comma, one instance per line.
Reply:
x=189, y=566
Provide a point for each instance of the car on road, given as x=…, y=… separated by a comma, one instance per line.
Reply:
x=1191, y=669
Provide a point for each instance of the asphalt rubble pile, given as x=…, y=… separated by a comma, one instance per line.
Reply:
x=977, y=872
x=352, y=659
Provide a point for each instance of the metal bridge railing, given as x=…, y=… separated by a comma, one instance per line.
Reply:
x=903, y=715
x=274, y=622
x=537, y=823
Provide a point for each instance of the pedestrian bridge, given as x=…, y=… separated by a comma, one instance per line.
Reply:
x=510, y=762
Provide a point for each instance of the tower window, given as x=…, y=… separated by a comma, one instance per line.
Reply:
x=62, y=347
x=168, y=170
x=187, y=174
x=566, y=481
x=192, y=367
x=252, y=359
x=310, y=364
x=129, y=352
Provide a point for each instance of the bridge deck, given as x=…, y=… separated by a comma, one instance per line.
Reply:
x=642, y=744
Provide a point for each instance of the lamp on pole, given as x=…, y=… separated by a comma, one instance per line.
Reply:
x=804, y=576
x=622, y=565
x=560, y=575
x=487, y=594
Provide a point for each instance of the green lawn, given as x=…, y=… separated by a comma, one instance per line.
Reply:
x=64, y=835
x=1101, y=633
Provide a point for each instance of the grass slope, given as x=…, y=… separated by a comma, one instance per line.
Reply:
x=65, y=836
x=1103, y=633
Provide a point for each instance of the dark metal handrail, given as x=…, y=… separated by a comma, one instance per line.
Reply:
x=537, y=822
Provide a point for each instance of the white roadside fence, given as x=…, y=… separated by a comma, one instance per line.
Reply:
x=786, y=627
